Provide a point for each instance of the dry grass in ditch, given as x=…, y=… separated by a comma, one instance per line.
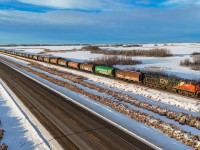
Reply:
x=194, y=64
x=195, y=53
x=115, y=60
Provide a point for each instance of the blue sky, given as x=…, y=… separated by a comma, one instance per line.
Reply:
x=99, y=21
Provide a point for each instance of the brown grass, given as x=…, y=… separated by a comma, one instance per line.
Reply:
x=115, y=60
x=185, y=62
x=56, y=51
x=132, y=45
x=195, y=53
x=148, y=53
x=194, y=64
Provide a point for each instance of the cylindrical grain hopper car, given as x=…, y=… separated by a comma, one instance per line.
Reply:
x=35, y=57
x=30, y=56
x=72, y=64
x=41, y=58
x=47, y=59
x=87, y=67
x=129, y=75
x=62, y=62
x=20, y=54
x=54, y=60
x=26, y=55
x=23, y=54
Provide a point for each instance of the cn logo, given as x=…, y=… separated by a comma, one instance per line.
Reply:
x=163, y=81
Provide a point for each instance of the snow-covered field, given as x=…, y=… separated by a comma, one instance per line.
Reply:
x=176, y=48
x=37, y=49
x=19, y=132
x=154, y=97
x=80, y=56
x=144, y=94
x=169, y=65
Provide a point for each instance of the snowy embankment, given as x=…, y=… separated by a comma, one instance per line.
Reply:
x=19, y=130
x=138, y=128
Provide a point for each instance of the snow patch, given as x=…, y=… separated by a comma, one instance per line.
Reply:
x=19, y=133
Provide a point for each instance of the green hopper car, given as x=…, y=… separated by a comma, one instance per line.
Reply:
x=103, y=70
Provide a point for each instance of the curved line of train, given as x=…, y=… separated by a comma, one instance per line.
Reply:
x=178, y=85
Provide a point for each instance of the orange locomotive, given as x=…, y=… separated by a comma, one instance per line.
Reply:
x=190, y=88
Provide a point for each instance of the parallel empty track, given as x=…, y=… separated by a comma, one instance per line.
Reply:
x=71, y=125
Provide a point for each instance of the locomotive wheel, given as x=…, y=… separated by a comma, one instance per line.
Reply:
x=193, y=95
x=163, y=87
x=198, y=95
x=180, y=92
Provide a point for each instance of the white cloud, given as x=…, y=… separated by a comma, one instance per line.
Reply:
x=50, y=18
x=70, y=4
x=137, y=24
x=82, y=4
x=112, y=18
x=181, y=2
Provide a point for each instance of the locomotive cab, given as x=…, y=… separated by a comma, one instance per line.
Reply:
x=196, y=84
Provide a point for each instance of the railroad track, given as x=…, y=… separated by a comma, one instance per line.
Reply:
x=71, y=125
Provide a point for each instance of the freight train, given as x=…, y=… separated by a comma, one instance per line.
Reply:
x=178, y=85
